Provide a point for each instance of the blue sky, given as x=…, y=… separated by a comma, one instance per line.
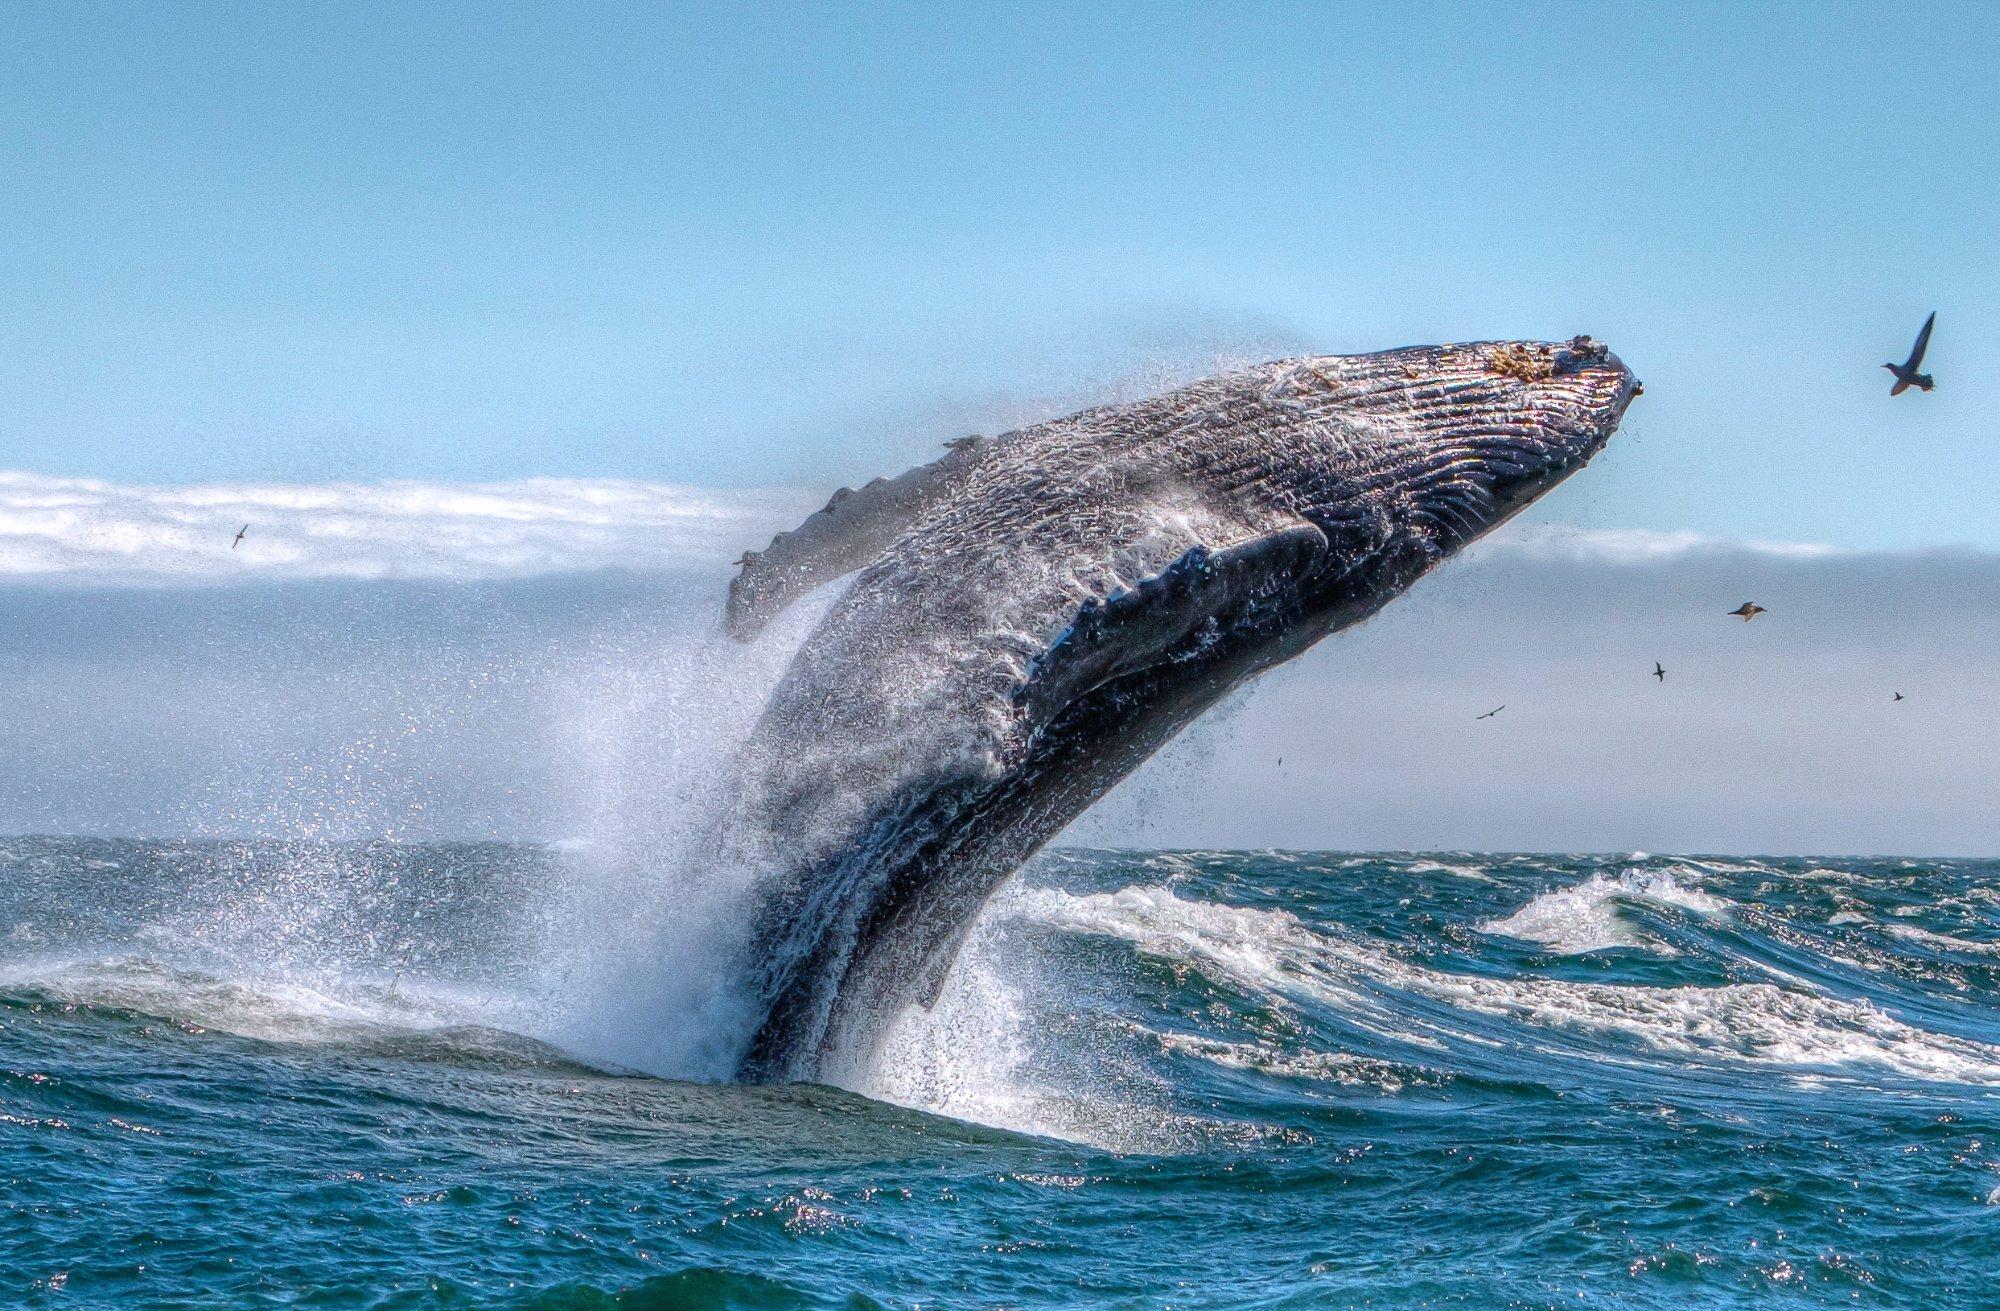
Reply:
x=784, y=246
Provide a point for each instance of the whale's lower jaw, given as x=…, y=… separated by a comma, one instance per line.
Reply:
x=939, y=860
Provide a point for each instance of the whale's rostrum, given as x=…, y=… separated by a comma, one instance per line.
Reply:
x=1034, y=614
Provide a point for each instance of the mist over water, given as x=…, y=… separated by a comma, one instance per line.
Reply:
x=311, y=734
x=455, y=709
x=650, y=933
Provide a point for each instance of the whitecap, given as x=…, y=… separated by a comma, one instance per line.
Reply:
x=1943, y=941
x=1306, y=1065
x=1585, y=917
x=1472, y=872
x=265, y=1009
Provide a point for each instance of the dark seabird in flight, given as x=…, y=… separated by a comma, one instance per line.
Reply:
x=1899, y=696
x=1489, y=714
x=1659, y=671
x=1906, y=372
x=239, y=536
x=1748, y=610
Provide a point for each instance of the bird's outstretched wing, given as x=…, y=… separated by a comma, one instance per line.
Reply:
x=1923, y=344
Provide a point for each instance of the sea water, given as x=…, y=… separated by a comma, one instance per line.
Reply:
x=392, y=1075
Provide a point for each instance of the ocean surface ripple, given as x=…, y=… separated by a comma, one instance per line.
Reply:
x=375, y=1075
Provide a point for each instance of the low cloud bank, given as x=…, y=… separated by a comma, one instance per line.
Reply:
x=509, y=661
x=1777, y=736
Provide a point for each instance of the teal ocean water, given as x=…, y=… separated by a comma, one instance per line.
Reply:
x=298, y=1075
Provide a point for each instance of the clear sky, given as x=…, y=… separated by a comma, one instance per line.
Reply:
x=776, y=246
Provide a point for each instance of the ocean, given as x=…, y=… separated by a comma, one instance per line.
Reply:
x=296, y=1074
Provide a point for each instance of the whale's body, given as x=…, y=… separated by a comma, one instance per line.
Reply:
x=1036, y=613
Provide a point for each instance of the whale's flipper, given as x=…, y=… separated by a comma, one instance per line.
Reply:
x=1196, y=607
x=1172, y=615
x=857, y=525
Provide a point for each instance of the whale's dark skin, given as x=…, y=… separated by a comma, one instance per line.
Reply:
x=1037, y=613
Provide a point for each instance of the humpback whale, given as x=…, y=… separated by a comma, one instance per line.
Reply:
x=1032, y=615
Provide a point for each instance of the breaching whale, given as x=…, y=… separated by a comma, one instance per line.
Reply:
x=1034, y=614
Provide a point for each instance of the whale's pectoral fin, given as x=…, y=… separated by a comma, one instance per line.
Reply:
x=1175, y=615
x=857, y=525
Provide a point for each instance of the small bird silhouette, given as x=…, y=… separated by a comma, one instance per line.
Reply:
x=1906, y=372
x=1748, y=610
x=1899, y=696
x=239, y=536
x=1489, y=714
x=1659, y=671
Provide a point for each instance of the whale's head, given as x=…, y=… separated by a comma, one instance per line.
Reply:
x=1435, y=445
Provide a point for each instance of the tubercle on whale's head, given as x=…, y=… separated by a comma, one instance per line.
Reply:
x=1448, y=442
x=1554, y=423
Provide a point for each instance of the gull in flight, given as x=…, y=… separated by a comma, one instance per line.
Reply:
x=1906, y=372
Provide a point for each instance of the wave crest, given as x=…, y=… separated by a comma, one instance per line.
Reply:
x=1586, y=917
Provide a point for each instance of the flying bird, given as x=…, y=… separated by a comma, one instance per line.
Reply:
x=1489, y=714
x=1659, y=671
x=1906, y=372
x=239, y=536
x=1899, y=696
x=1748, y=610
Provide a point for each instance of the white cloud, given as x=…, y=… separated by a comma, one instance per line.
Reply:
x=90, y=532
x=1631, y=545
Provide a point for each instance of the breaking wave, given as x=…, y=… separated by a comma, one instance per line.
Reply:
x=1589, y=916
